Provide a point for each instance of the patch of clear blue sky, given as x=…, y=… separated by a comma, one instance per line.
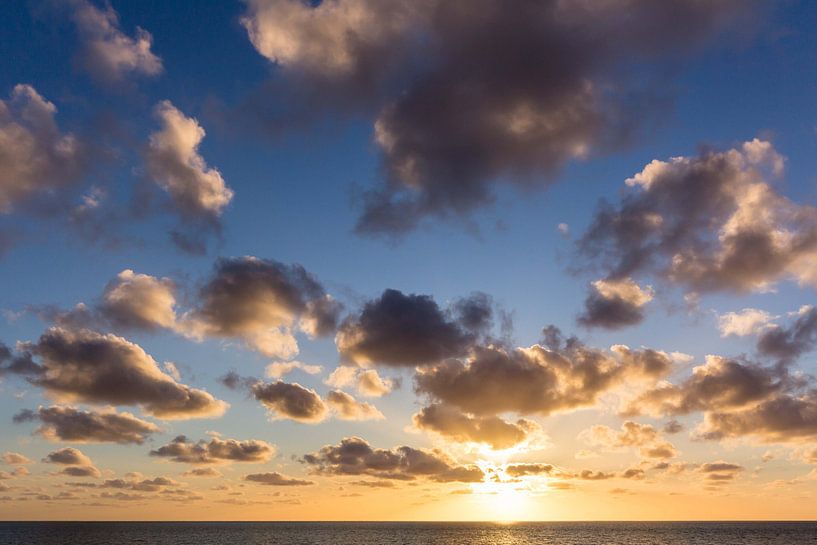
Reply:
x=293, y=195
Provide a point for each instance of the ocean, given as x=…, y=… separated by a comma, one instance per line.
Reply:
x=308, y=533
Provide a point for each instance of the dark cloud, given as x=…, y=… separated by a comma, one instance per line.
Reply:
x=722, y=383
x=60, y=423
x=523, y=470
x=673, y=427
x=217, y=450
x=77, y=464
x=786, y=344
x=81, y=471
x=261, y=301
x=37, y=160
x=68, y=456
x=354, y=456
x=407, y=330
x=457, y=426
x=91, y=367
x=708, y=222
x=293, y=401
x=537, y=380
x=275, y=479
x=202, y=472
x=614, y=304
x=17, y=363
x=471, y=95
x=719, y=473
x=784, y=418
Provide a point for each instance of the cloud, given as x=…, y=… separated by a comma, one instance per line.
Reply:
x=354, y=456
x=139, y=301
x=347, y=407
x=539, y=379
x=17, y=363
x=275, y=479
x=783, y=418
x=90, y=367
x=81, y=471
x=721, y=383
x=471, y=97
x=107, y=53
x=261, y=301
x=198, y=192
x=137, y=482
x=202, y=472
x=525, y=469
x=77, y=464
x=130, y=301
x=786, y=344
x=366, y=381
x=407, y=330
x=645, y=438
x=68, y=424
x=14, y=459
x=215, y=451
x=457, y=426
x=278, y=369
x=614, y=304
x=718, y=473
x=748, y=321
x=36, y=159
x=712, y=222
x=293, y=401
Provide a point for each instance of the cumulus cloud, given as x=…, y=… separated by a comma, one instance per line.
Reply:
x=537, y=380
x=275, y=479
x=346, y=407
x=787, y=343
x=292, y=401
x=198, y=192
x=140, y=301
x=748, y=321
x=645, y=438
x=614, y=304
x=90, y=367
x=467, y=96
x=14, y=459
x=461, y=427
x=408, y=330
x=61, y=423
x=783, y=418
x=708, y=222
x=216, y=451
x=106, y=52
x=36, y=158
x=354, y=456
x=261, y=302
x=721, y=383
x=77, y=464
x=366, y=381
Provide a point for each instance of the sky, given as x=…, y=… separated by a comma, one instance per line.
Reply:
x=408, y=260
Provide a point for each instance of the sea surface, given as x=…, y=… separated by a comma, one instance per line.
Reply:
x=278, y=533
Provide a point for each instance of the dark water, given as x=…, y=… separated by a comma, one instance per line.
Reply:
x=682, y=533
